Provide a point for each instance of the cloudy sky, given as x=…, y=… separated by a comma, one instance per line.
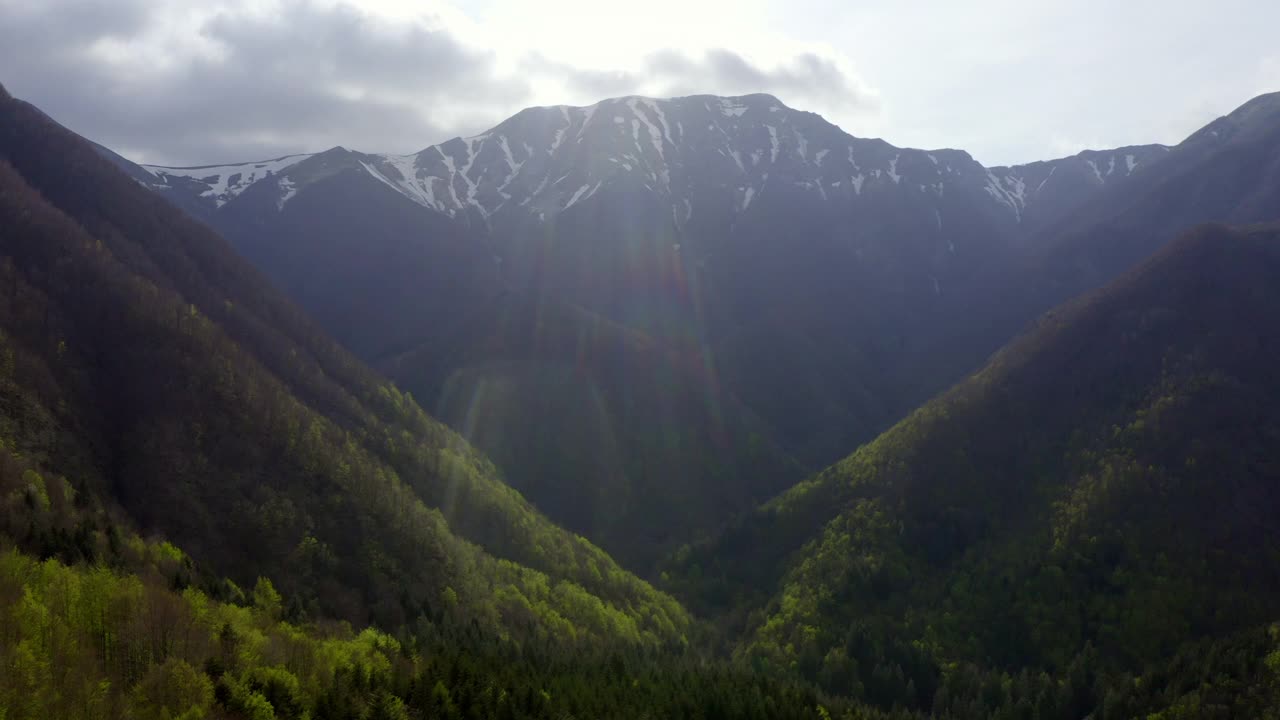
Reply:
x=187, y=82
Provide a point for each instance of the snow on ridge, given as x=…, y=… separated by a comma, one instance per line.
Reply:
x=453, y=173
x=730, y=108
x=559, y=138
x=578, y=195
x=1040, y=187
x=587, y=113
x=513, y=167
x=996, y=189
x=377, y=174
x=419, y=190
x=288, y=189
x=662, y=117
x=218, y=178
x=1097, y=173
x=1018, y=189
x=656, y=136
x=472, y=187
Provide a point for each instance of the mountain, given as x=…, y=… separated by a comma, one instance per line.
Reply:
x=699, y=156
x=1097, y=496
x=1048, y=190
x=166, y=381
x=800, y=289
x=1080, y=529
x=204, y=501
x=631, y=218
x=1226, y=172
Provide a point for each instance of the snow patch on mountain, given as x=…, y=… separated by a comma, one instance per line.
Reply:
x=545, y=160
x=732, y=108
x=224, y=183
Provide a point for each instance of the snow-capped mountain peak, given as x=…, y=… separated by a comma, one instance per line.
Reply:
x=729, y=152
x=546, y=160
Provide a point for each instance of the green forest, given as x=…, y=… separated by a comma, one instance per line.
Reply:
x=209, y=509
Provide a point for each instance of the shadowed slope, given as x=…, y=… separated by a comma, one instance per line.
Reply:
x=1107, y=481
x=157, y=369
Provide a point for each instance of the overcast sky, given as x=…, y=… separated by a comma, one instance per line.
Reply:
x=186, y=82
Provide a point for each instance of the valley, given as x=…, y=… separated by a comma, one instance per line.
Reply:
x=693, y=407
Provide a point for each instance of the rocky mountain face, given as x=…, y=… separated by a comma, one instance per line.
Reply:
x=797, y=288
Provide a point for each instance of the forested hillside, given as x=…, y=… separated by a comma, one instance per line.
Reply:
x=1096, y=497
x=210, y=509
x=581, y=408
x=149, y=365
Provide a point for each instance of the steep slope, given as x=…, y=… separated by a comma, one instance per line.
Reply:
x=723, y=230
x=625, y=439
x=1048, y=190
x=1228, y=171
x=825, y=284
x=159, y=373
x=1099, y=494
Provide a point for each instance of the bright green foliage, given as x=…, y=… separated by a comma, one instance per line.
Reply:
x=90, y=643
x=172, y=690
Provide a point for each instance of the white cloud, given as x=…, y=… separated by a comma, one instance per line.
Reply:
x=230, y=79
x=1007, y=80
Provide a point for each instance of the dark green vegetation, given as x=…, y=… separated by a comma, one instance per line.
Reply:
x=209, y=509
x=203, y=500
x=153, y=389
x=148, y=365
x=1100, y=494
x=581, y=407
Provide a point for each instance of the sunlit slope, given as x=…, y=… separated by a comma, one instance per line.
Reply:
x=158, y=371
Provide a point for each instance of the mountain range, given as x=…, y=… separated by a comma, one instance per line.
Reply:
x=796, y=289
x=158, y=372
x=1097, y=492
x=738, y=416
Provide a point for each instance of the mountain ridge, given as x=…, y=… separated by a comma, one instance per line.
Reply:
x=435, y=175
x=172, y=380
x=1020, y=519
x=828, y=284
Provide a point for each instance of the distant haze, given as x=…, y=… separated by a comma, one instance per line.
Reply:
x=1007, y=80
